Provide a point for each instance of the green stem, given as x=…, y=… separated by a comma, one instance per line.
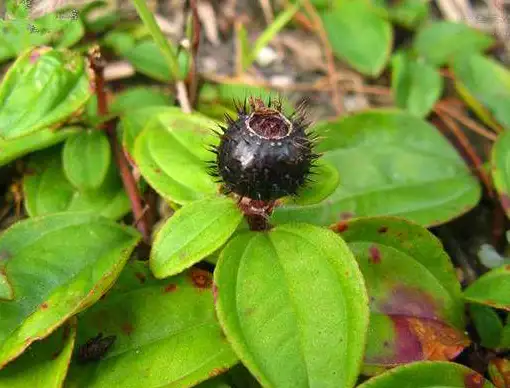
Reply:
x=158, y=36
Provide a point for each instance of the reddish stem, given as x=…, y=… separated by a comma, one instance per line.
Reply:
x=97, y=65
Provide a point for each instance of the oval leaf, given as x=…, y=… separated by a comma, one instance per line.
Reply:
x=415, y=84
x=138, y=98
x=45, y=363
x=488, y=325
x=15, y=148
x=500, y=160
x=491, y=289
x=387, y=169
x=429, y=375
x=417, y=311
x=359, y=35
x=293, y=306
x=42, y=89
x=48, y=191
x=487, y=83
x=195, y=231
x=58, y=265
x=441, y=42
x=181, y=347
x=172, y=155
x=146, y=57
x=86, y=159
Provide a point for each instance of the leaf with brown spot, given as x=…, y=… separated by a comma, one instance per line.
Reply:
x=417, y=310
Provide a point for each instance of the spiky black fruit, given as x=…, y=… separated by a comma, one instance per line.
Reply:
x=264, y=155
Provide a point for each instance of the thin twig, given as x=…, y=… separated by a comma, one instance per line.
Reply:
x=328, y=53
x=97, y=65
x=195, y=41
x=468, y=149
x=466, y=121
x=182, y=96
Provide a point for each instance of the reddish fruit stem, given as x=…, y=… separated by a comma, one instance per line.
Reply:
x=97, y=65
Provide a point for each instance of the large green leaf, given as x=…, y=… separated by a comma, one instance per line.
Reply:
x=48, y=191
x=416, y=85
x=417, y=310
x=147, y=58
x=428, y=374
x=359, y=35
x=132, y=123
x=390, y=163
x=195, y=231
x=43, y=88
x=166, y=333
x=57, y=265
x=293, y=305
x=86, y=159
x=45, y=363
x=15, y=148
x=491, y=289
x=485, y=85
x=137, y=98
x=172, y=156
x=442, y=41
x=500, y=162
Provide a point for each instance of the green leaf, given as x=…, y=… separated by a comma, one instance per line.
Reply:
x=15, y=148
x=293, y=306
x=428, y=374
x=194, y=232
x=180, y=175
x=119, y=41
x=387, y=169
x=135, y=121
x=415, y=84
x=42, y=89
x=491, y=289
x=148, y=60
x=48, y=191
x=500, y=161
x=442, y=41
x=58, y=265
x=45, y=363
x=408, y=13
x=86, y=159
x=359, y=35
x=166, y=333
x=415, y=298
x=487, y=83
x=138, y=98
x=488, y=325
x=324, y=181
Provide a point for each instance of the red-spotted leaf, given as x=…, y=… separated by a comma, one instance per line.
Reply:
x=45, y=363
x=416, y=304
x=501, y=169
x=293, y=306
x=491, y=289
x=42, y=89
x=57, y=265
x=428, y=374
x=166, y=333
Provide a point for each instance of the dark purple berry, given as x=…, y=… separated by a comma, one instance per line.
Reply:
x=263, y=155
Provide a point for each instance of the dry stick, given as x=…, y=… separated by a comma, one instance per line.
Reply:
x=328, y=52
x=97, y=65
x=466, y=121
x=468, y=149
x=195, y=41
